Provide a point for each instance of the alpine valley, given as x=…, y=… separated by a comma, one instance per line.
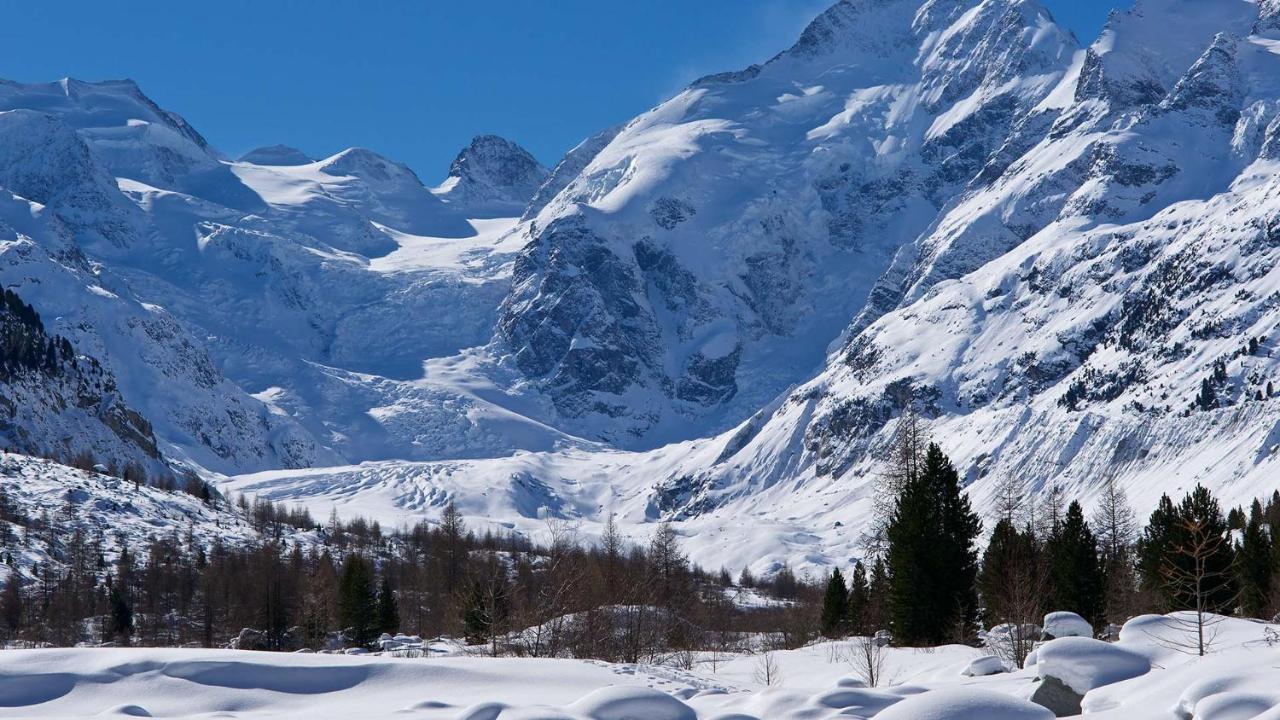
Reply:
x=1066, y=257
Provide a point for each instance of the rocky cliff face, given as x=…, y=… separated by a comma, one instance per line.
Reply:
x=62, y=405
x=493, y=173
x=704, y=257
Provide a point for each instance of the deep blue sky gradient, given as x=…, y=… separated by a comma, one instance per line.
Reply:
x=414, y=80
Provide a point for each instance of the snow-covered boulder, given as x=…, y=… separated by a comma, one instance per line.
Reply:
x=632, y=703
x=983, y=666
x=1070, y=667
x=965, y=704
x=390, y=643
x=1066, y=624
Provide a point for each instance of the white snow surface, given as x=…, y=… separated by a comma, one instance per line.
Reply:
x=1060, y=624
x=815, y=684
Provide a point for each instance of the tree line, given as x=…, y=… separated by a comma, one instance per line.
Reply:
x=930, y=583
x=306, y=585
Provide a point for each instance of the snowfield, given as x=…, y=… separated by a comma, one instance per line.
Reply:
x=1235, y=682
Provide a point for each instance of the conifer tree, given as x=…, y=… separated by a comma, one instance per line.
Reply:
x=1012, y=580
x=877, y=617
x=931, y=559
x=1168, y=565
x=859, y=607
x=1255, y=566
x=1153, y=545
x=388, y=609
x=835, y=606
x=1074, y=572
x=357, y=604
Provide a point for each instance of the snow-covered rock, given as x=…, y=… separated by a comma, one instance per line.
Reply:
x=631, y=703
x=1060, y=624
x=983, y=666
x=1084, y=663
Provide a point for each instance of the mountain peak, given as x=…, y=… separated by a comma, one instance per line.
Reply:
x=492, y=169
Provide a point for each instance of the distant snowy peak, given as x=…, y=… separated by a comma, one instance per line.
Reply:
x=492, y=169
x=875, y=26
x=370, y=167
x=281, y=155
x=130, y=135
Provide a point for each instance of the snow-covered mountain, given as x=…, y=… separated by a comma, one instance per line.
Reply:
x=262, y=313
x=702, y=260
x=1091, y=298
x=718, y=310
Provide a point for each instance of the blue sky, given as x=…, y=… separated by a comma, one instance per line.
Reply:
x=413, y=80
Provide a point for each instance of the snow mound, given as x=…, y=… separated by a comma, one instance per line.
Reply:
x=983, y=666
x=964, y=704
x=629, y=703
x=1066, y=624
x=857, y=702
x=1084, y=663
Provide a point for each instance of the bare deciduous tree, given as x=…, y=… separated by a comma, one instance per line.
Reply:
x=903, y=464
x=767, y=671
x=867, y=657
x=1196, y=580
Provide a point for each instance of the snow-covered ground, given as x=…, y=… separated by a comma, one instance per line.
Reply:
x=1234, y=682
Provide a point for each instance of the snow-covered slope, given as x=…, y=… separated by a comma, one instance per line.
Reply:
x=107, y=513
x=270, y=312
x=1081, y=351
x=1065, y=256
x=818, y=682
x=703, y=258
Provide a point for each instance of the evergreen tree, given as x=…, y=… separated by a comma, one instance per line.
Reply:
x=835, y=606
x=932, y=563
x=121, y=617
x=1012, y=580
x=1154, y=544
x=357, y=604
x=877, y=617
x=388, y=608
x=1075, y=575
x=1236, y=518
x=120, y=598
x=858, y=613
x=1166, y=561
x=1255, y=566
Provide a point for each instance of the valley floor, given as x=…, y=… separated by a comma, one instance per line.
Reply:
x=1234, y=682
